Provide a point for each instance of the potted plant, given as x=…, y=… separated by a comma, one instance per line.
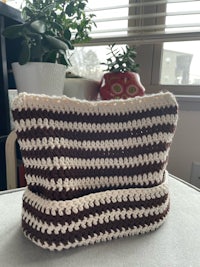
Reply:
x=46, y=39
x=121, y=79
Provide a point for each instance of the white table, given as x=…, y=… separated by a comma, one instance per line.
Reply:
x=176, y=243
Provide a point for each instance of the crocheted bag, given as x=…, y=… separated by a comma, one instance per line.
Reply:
x=94, y=170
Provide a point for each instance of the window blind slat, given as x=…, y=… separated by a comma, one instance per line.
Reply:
x=150, y=28
x=153, y=15
x=143, y=4
x=145, y=39
x=146, y=21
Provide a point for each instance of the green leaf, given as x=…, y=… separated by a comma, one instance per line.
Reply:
x=27, y=12
x=70, y=9
x=57, y=26
x=38, y=26
x=14, y=31
x=63, y=59
x=24, y=56
x=50, y=56
x=67, y=34
x=69, y=44
x=37, y=49
x=49, y=7
x=82, y=6
x=55, y=43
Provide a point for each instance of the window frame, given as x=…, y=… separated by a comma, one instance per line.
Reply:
x=151, y=76
x=149, y=56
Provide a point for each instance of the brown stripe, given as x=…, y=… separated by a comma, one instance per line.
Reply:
x=93, y=210
x=106, y=172
x=77, y=117
x=70, y=194
x=90, y=232
x=38, y=132
x=83, y=153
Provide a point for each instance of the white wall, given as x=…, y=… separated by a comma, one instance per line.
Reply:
x=186, y=144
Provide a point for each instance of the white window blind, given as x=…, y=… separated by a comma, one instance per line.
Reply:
x=144, y=21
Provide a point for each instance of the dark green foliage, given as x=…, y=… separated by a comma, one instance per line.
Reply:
x=50, y=29
x=121, y=60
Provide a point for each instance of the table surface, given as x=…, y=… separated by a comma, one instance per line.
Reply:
x=175, y=243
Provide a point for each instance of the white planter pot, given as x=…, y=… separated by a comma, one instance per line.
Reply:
x=81, y=88
x=39, y=78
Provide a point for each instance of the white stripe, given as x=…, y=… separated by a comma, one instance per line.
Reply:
x=105, y=145
x=87, y=222
x=28, y=124
x=117, y=107
x=95, y=163
x=85, y=202
x=94, y=182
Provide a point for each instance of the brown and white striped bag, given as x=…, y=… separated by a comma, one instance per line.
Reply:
x=95, y=170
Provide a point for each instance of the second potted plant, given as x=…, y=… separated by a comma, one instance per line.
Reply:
x=46, y=39
x=121, y=79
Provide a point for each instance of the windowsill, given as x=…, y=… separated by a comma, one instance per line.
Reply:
x=186, y=98
x=188, y=102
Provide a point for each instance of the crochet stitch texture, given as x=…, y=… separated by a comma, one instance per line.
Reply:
x=95, y=170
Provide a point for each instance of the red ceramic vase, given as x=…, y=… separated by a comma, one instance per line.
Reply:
x=121, y=85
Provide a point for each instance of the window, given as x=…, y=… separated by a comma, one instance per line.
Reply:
x=180, y=63
x=180, y=60
x=166, y=34
x=14, y=3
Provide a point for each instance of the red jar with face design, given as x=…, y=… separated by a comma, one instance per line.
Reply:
x=121, y=85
